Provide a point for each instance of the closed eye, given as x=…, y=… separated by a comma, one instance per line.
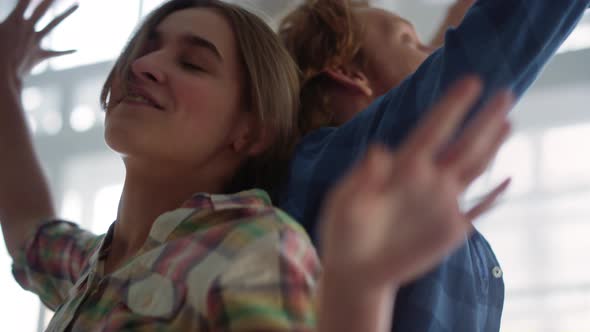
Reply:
x=406, y=38
x=191, y=67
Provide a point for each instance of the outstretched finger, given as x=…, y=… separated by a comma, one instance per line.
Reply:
x=56, y=21
x=488, y=201
x=20, y=9
x=53, y=54
x=41, y=10
x=447, y=115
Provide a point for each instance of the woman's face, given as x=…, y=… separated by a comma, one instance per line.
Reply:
x=184, y=102
x=392, y=47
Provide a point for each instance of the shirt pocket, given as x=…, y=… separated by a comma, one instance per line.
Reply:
x=152, y=295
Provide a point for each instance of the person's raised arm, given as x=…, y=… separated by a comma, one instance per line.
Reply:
x=25, y=198
x=453, y=17
x=505, y=42
x=395, y=216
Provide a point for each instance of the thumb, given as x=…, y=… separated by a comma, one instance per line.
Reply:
x=488, y=201
x=46, y=54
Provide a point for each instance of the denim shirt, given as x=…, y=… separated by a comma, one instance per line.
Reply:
x=506, y=43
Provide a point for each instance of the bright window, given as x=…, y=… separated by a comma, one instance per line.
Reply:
x=565, y=163
x=98, y=30
x=106, y=202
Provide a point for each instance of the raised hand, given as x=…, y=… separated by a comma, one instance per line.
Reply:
x=396, y=215
x=457, y=11
x=21, y=43
x=25, y=197
x=453, y=18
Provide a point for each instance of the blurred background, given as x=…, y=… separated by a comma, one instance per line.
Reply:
x=540, y=231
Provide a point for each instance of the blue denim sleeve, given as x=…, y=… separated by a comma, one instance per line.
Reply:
x=505, y=42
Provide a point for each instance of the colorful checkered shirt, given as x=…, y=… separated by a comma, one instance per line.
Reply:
x=218, y=263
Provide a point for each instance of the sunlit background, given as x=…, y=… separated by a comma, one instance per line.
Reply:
x=540, y=232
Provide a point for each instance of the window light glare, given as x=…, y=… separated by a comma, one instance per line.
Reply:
x=106, y=204
x=32, y=123
x=578, y=40
x=32, y=98
x=71, y=207
x=51, y=122
x=82, y=118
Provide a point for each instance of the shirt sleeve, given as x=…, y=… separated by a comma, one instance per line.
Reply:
x=269, y=287
x=505, y=42
x=53, y=260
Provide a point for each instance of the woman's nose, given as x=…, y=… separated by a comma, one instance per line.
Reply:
x=146, y=68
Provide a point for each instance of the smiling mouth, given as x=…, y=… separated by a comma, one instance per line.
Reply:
x=140, y=100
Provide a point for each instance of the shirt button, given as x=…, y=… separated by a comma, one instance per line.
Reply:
x=497, y=272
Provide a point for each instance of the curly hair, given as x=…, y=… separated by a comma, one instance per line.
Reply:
x=321, y=34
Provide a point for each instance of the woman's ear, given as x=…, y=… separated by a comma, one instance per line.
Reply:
x=350, y=78
x=253, y=139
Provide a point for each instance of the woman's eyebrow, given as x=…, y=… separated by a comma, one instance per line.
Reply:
x=192, y=40
x=200, y=42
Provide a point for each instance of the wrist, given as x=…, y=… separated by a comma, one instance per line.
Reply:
x=371, y=282
x=363, y=282
x=10, y=79
x=347, y=306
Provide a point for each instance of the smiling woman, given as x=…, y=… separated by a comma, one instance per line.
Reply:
x=184, y=108
x=219, y=63
x=201, y=107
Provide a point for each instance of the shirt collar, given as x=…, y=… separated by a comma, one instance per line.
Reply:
x=254, y=198
x=204, y=210
x=198, y=204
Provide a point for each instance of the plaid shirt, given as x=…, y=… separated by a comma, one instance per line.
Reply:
x=506, y=43
x=218, y=263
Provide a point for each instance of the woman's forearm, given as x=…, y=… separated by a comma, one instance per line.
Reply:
x=25, y=198
x=12, y=118
x=24, y=193
x=348, y=307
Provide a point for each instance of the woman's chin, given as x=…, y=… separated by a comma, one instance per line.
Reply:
x=119, y=140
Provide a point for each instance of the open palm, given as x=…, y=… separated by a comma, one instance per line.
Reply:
x=21, y=43
x=395, y=216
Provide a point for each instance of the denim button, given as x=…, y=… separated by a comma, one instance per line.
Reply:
x=497, y=272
